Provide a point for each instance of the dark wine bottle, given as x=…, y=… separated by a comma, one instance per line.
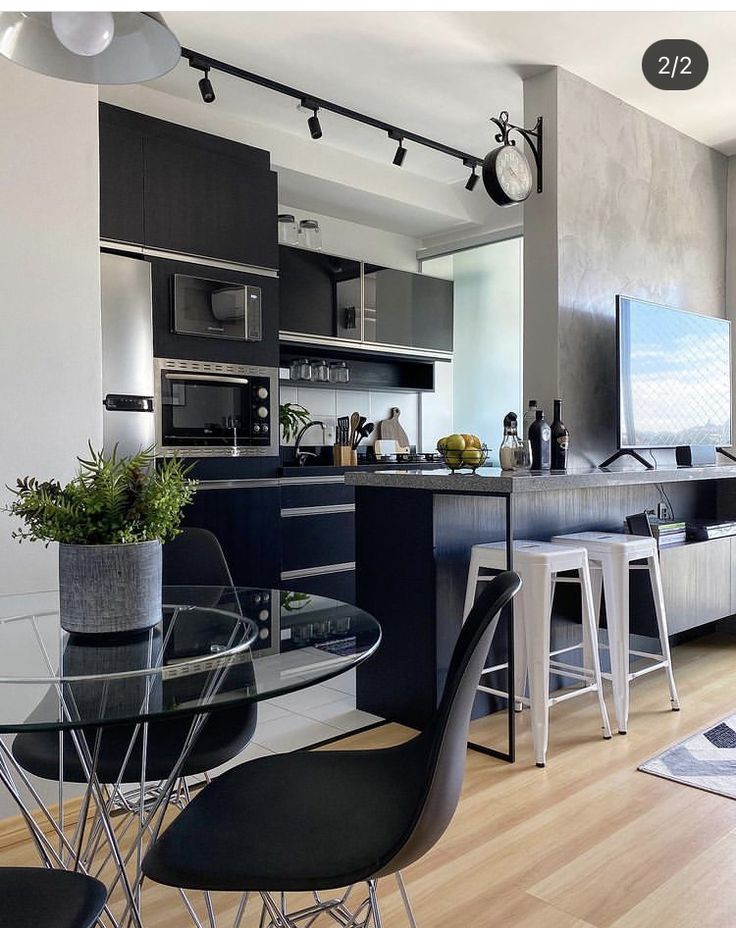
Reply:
x=560, y=439
x=540, y=439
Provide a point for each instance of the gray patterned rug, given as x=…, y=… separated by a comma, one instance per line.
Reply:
x=706, y=760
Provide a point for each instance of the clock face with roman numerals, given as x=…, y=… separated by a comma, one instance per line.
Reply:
x=507, y=175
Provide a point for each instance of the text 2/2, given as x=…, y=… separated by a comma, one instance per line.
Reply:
x=678, y=65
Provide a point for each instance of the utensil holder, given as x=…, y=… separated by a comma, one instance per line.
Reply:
x=344, y=456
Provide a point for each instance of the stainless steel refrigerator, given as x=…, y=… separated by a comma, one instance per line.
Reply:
x=127, y=354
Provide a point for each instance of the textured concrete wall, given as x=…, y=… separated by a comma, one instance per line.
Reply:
x=641, y=210
x=541, y=315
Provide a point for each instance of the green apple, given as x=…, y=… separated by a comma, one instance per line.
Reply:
x=455, y=443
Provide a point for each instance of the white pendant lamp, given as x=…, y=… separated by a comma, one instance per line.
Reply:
x=91, y=47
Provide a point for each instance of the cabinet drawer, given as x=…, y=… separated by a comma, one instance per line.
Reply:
x=299, y=495
x=316, y=540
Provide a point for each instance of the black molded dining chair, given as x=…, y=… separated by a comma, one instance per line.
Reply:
x=193, y=561
x=318, y=821
x=31, y=897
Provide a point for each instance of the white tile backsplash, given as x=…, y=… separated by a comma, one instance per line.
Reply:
x=327, y=405
x=288, y=395
x=350, y=401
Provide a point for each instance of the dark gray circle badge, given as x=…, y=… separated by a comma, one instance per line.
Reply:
x=675, y=64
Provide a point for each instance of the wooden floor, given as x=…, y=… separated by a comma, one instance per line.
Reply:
x=588, y=842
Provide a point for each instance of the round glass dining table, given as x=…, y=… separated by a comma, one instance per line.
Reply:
x=216, y=652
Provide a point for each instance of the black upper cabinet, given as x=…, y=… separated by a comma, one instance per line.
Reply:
x=321, y=296
x=179, y=190
x=121, y=178
x=319, y=293
x=203, y=202
x=408, y=310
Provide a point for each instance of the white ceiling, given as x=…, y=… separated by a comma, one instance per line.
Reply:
x=439, y=74
x=443, y=74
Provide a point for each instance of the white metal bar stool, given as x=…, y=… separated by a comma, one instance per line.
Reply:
x=538, y=564
x=611, y=556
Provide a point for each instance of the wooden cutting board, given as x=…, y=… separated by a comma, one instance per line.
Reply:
x=391, y=430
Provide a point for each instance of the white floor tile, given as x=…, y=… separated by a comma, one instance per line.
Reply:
x=292, y=732
x=269, y=710
x=345, y=683
x=339, y=704
x=304, y=699
x=352, y=720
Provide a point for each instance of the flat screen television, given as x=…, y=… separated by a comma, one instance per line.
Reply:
x=674, y=377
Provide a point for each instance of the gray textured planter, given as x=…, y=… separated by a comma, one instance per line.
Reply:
x=110, y=588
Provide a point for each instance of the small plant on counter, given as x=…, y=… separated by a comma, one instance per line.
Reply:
x=292, y=416
x=293, y=602
x=112, y=500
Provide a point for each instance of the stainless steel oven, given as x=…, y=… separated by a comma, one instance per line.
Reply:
x=213, y=409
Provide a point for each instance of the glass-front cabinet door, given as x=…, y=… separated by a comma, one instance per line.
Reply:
x=327, y=296
x=407, y=310
x=320, y=294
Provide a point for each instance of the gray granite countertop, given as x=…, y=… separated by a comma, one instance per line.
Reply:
x=494, y=480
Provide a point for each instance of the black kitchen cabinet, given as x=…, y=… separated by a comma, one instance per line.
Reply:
x=407, y=310
x=318, y=539
x=176, y=189
x=200, y=201
x=247, y=523
x=320, y=293
x=121, y=178
x=169, y=344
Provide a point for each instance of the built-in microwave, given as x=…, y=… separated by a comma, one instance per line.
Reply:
x=214, y=308
x=213, y=409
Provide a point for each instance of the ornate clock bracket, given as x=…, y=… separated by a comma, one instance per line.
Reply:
x=533, y=138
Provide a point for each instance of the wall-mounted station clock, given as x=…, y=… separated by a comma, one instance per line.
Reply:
x=507, y=175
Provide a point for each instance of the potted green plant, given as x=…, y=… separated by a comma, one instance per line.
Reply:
x=292, y=416
x=110, y=522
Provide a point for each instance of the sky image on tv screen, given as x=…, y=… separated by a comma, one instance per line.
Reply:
x=675, y=377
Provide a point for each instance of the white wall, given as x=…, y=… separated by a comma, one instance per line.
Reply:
x=355, y=240
x=50, y=376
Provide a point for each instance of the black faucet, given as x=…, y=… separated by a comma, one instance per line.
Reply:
x=303, y=456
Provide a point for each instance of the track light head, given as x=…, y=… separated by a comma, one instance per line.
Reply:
x=206, y=88
x=205, y=84
x=400, y=155
x=400, y=151
x=315, y=129
x=473, y=179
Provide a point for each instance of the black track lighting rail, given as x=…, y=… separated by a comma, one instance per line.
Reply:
x=394, y=132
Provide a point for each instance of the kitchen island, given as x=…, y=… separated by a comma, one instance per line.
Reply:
x=415, y=529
